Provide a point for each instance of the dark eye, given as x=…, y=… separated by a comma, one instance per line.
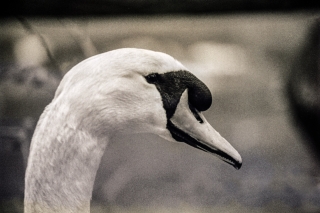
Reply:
x=152, y=78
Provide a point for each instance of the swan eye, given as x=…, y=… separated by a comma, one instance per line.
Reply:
x=152, y=78
x=195, y=113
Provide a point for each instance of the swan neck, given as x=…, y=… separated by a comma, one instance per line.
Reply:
x=62, y=166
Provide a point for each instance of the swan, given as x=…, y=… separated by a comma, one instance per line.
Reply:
x=122, y=91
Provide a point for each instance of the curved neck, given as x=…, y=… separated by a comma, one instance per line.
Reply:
x=62, y=166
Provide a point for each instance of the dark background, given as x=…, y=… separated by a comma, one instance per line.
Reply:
x=133, y=7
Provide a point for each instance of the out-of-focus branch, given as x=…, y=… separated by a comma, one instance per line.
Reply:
x=27, y=26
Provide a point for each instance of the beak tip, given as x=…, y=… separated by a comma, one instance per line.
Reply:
x=238, y=163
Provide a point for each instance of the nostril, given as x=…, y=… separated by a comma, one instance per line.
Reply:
x=195, y=113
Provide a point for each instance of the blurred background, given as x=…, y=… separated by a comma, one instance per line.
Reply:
x=260, y=59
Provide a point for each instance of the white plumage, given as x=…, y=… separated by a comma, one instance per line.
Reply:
x=119, y=92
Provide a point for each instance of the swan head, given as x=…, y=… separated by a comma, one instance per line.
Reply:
x=134, y=91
